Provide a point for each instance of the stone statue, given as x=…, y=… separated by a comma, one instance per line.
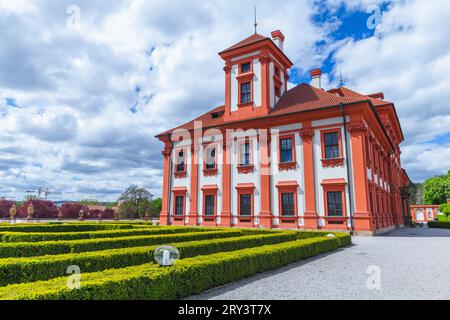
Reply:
x=13, y=212
x=116, y=215
x=147, y=216
x=30, y=211
x=81, y=218
x=100, y=215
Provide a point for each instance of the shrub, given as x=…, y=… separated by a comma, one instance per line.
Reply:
x=30, y=249
x=187, y=277
x=108, y=214
x=19, y=270
x=5, y=206
x=70, y=227
x=51, y=236
x=43, y=209
x=71, y=210
x=439, y=224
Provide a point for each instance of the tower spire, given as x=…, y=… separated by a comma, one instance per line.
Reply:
x=256, y=23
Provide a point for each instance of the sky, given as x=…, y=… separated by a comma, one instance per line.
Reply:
x=86, y=85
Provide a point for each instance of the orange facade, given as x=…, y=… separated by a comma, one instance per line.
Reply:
x=301, y=158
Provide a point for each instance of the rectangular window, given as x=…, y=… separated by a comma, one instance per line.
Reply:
x=277, y=91
x=334, y=204
x=210, y=158
x=245, y=154
x=179, y=206
x=331, y=145
x=287, y=204
x=246, y=95
x=180, y=162
x=245, y=67
x=245, y=205
x=286, y=150
x=209, y=205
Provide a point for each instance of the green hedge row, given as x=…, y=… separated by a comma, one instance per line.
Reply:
x=187, y=277
x=20, y=270
x=72, y=227
x=50, y=236
x=31, y=249
x=439, y=224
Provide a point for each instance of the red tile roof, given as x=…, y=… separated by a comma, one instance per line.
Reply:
x=346, y=92
x=247, y=41
x=298, y=99
x=305, y=98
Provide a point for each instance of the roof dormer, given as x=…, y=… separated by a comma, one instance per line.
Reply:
x=256, y=76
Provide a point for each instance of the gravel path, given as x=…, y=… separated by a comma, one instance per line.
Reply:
x=414, y=264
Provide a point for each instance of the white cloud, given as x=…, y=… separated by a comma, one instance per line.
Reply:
x=408, y=60
x=73, y=130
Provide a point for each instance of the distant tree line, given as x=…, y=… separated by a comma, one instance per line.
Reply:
x=133, y=203
x=433, y=191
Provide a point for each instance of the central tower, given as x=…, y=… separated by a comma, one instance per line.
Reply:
x=256, y=76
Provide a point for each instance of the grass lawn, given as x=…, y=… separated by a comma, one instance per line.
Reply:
x=116, y=260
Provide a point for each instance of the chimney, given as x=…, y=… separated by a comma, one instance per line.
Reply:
x=316, y=76
x=278, y=38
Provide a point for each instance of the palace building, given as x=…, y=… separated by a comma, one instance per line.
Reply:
x=274, y=157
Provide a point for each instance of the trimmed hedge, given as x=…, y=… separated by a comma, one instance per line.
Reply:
x=187, y=277
x=51, y=236
x=73, y=227
x=31, y=249
x=439, y=224
x=20, y=270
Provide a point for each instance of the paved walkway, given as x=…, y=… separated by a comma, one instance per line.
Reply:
x=414, y=264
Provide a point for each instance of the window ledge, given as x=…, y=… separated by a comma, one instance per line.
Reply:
x=210, y=172
x=247, y=104
x=246, y=76
x=180, y=174
x=284, y=166
x=246, y=169
x=337, y=162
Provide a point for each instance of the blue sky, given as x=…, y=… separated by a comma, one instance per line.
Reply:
x=82, y=95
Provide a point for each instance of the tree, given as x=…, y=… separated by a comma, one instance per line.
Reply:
x=42, y=209
x=5, y=206
x=135, y=202
x=108, y=213
x=437, y=189
x=156, y=207
x=88, y=202
x=71, y=210
x=415, y=191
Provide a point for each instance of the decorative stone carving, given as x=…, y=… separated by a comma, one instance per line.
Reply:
x=357, y=127
x=227, y=67
x=265, y=59
x=245, y=169
x=285, y=166
x=30, y=211
x=13, y=212
x=180, y=175
x=306, y=133
x=210, y=172
x=338, y=162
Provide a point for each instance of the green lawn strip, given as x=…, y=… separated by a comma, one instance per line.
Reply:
x=75, y=227
x=50, y=236
x=187, y=277
x=21, y=270
x=30, y=249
